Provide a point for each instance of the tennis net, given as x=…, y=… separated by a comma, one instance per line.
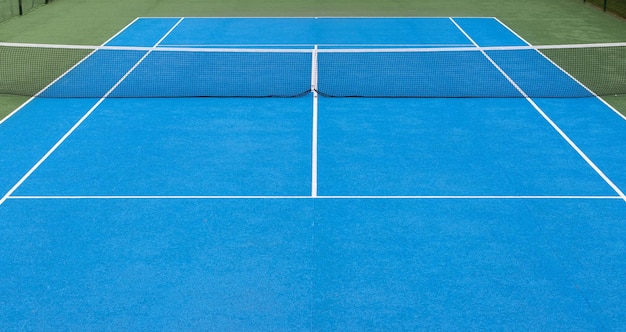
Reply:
x=64, y=71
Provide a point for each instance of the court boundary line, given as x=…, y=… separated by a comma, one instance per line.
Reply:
x=414, y=197
x=623, y=116
x=311, y=45
x=311, y=17
x=573, y=145
x=81, y=120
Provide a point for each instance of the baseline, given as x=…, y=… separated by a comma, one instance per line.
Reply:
x=421, y=197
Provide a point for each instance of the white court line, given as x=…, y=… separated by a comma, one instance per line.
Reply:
x=548, y=119
x=80, y=121
x=312, y=17
x=312, y=45
x=309, y=17
x=217, y=197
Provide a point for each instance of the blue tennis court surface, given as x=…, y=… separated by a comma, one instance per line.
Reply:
x=313, y=213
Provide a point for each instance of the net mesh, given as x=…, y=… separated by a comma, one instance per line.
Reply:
x=566, y=71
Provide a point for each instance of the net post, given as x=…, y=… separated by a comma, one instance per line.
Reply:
x=21, y=9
